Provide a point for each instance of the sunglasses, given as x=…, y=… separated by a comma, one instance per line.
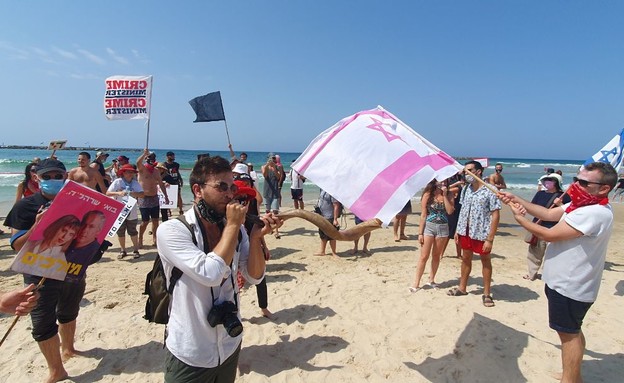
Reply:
x=47, y=177
x=585, y=183
x=224, y=187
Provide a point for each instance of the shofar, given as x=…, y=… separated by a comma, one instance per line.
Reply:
x=340, y=235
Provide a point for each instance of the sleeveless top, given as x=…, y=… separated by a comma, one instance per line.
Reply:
x=27, y=191
x=437, y=213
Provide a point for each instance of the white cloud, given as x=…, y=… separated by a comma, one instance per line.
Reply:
x=116, y=57
x=63, y=53
x=92, y=57
x=140, y=57
x=14, y=53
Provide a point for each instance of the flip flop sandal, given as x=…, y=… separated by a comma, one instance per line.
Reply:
x=122, y=254
x=487, y=300
x=456, y=292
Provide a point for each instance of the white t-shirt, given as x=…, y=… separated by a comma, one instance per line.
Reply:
x=574, y=267
x=120, y=185
x=296, y=182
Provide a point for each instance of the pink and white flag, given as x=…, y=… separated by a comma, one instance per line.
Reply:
x=128, y=97
x=373, y=163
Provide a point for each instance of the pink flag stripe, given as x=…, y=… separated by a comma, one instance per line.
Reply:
x=384, y=185
x=312, y=156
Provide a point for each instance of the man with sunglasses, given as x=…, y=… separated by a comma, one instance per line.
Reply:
x=575, y=256
x=59, y=301
x=209, y=258
x=149, y=205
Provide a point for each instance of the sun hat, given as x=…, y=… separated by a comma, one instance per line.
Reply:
x=240, y=168
x=101, y=153
x=50, y=165
x=552, y=176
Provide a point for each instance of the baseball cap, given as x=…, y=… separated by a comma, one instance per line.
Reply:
x=170, y=153
x=101, y=153
x=50, y=165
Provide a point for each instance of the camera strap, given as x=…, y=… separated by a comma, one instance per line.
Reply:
x=207, y=249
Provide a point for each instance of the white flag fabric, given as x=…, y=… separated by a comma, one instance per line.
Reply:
x=373, y=163
x=128, y=97
x=611, y=153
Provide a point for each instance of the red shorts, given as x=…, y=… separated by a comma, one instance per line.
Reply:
x=468, y=243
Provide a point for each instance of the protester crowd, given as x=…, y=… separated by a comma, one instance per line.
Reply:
x=218, y=245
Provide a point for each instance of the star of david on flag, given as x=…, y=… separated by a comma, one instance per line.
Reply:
x=373, y=163
x=611, y=153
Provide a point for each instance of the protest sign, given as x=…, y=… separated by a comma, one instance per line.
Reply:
x=63, y=244
x=172, y=194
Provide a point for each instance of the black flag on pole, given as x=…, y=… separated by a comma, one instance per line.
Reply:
x=208, y=107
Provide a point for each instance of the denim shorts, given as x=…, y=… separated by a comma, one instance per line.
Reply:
x=436, y=229
x=565, y=314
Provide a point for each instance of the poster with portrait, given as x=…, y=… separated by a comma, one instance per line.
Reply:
x=67, y=238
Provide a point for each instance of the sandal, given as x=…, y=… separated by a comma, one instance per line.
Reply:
x=414, y=289
x=487, y=300
x=456, y=292
x=122, y=254
x=136, y=254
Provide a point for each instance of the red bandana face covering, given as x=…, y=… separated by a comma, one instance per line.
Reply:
x=580, y=197
x=150, y=168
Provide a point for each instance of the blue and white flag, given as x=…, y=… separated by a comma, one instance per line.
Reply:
x=611, y=153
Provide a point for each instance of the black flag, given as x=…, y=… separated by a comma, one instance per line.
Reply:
x=208, y=107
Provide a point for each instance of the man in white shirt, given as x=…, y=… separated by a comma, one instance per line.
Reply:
x=296, y=188
x=575, y=256
x=204, y=331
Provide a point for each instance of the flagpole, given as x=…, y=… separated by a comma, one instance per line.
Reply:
x=147, y=138
x=149, y=112
x=227, y=133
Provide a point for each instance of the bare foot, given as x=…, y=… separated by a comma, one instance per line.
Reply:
x=57, y=376
x=403, y=236
x=319, y=254
x=335, y=255
x=68, y=354
x=353, y=251
x=266, y=313
x=366, y=251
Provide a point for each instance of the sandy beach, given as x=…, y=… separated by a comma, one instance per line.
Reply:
x=345, y=320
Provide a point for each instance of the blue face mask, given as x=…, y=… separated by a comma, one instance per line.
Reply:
x=51, y=187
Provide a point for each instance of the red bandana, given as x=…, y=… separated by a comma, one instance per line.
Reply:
x=580, y=197
x=150, y=168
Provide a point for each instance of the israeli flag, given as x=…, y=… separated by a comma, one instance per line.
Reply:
x=611, y=153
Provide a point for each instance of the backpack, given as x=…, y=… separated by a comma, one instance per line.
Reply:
x=158, y=294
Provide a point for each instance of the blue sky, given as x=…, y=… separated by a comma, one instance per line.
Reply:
x=477, y=78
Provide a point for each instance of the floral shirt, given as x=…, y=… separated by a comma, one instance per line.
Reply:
x=475, y=216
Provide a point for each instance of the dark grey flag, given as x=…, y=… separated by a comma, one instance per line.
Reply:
x=208, y=107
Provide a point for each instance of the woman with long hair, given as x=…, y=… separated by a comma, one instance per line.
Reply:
x=436, y=204
x=29, y=185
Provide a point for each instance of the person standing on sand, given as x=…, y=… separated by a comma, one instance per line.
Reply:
x=149, y=205
x=497, y=179
x=329, y=208
x=60, y=300
x=476, y=228
x=86, y=175
x=204, y=334
x=575, y=257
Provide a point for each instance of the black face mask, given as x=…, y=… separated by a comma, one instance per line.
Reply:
x=208, y=213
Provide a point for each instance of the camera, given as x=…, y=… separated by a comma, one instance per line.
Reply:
x=225, y=314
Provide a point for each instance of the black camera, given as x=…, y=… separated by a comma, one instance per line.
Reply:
x=225, y=314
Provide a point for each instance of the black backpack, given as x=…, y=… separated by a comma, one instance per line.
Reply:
x=158, y=294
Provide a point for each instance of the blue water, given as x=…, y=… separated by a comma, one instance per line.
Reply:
x=521, y=175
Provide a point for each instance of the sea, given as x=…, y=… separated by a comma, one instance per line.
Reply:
x=521, y=174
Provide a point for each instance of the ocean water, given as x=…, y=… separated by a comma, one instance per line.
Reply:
x=521, y=175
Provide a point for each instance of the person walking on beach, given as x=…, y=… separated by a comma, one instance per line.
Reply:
x=400, y=220
x=497, y=178
x=575, y=257
x=296, y=188
x=173, y=168
x=271, y=189
x=330, y=209
x=59, y=300
x=86, y=175
x=149, y=205
x=436, y=205
x=98, y=164
x=29, y=185
x=204, y=333
x=476, y=228
x=552, y=190
x=123, y=187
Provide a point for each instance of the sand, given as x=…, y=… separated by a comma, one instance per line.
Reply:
x=345, y=320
